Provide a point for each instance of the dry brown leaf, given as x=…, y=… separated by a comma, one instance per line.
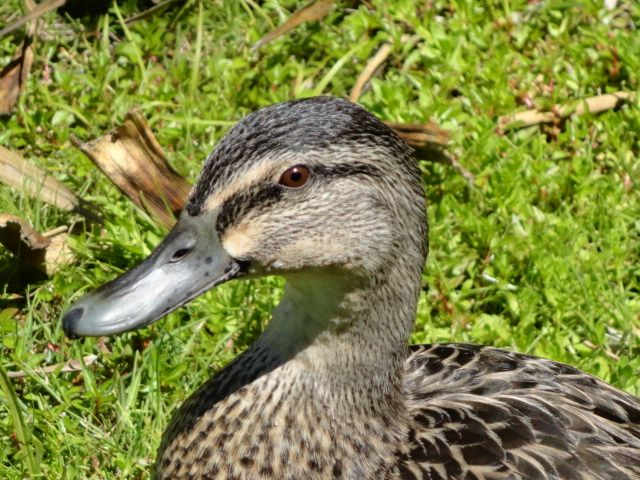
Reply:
x=27, y=177
x=46, y=253
x=421, y=135
x=70, y=366
x=131, y=157
x=14, y=76
x=596, y=104
x=430, y=143
x=316, y=10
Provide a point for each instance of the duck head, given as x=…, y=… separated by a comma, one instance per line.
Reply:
x=295, y=189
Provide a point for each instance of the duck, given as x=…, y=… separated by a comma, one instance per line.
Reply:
x=319, y=191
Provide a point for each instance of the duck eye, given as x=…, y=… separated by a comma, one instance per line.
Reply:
x=178, y=254
x=295, y=176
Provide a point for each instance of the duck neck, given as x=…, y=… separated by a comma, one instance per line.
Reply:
x=322, y=386
x=346, y=337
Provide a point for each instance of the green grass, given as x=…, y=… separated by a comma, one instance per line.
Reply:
x=540, y=254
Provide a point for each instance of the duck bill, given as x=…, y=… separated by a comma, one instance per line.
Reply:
x=187, y=263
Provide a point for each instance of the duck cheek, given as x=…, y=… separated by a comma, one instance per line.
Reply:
x=240, y=240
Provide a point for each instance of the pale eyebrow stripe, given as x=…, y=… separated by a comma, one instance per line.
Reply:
x=247, y=180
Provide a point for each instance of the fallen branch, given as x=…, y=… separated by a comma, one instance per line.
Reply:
x=73, y=365
x=597, y=104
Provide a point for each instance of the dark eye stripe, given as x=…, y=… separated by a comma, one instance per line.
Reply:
x=347, y=169
x=239, y=204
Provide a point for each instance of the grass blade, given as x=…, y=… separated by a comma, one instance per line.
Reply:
x=27, y=442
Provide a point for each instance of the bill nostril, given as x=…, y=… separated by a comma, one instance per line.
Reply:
x=70, y=319
x=178, y=254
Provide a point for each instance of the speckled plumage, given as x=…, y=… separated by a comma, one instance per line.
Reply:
x=480, y=412
x=331, y=390
x=471, y=412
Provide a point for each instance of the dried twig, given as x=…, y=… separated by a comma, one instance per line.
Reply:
x=73, y=365
x=597, y=104
x=374, y=63
x=370, y=68
x=131, y=157
x=316, y=10
x=56, y=231
x=34, y=14
x=158, y=7
x=606, y=351
x=453, y=160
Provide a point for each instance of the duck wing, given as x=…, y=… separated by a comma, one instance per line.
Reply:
x=481, y=413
